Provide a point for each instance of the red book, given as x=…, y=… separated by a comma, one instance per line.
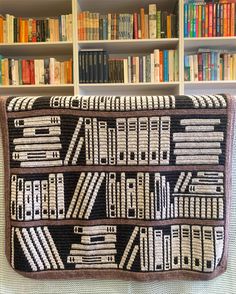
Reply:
x=207, y=20
x=214, y=21
x=25, y=72
x=135, y=25
x=32, y=76
x=200, y=67
x=210, y=17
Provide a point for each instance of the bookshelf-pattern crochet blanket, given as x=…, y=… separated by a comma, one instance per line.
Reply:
x=117, y=186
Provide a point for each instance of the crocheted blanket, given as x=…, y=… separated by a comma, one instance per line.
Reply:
x=117, y=186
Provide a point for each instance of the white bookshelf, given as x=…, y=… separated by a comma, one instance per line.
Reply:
x=47, y=8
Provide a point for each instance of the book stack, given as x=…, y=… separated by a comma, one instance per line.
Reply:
x=209, y=18
x=119, y=26
x=97, y=67
x=35, y=71
x=210, y=65
x=18, y=29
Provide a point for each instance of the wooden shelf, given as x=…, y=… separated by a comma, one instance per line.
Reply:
x=37, y=49
x=130, y=46
x=228, y=43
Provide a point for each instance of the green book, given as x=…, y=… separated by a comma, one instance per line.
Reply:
x=158, y=24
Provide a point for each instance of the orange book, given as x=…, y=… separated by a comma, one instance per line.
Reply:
x=228, y=19
x=21, y=24
x=142, y=23
x=225, y=20
x=1, y=29
x=26, y=31
x=168, y=26
x=161, y=66
x=232, y=27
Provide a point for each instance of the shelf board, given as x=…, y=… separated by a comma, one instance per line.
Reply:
x=37, y=89
x=37, y=48
x=130, y=46
x=210, y=87
x=214, y=42
x=130, y=88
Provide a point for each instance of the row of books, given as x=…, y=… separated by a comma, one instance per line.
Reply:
x=118, y=26
x=97, y=67
x=35, y=71
x=18, y=29
x=209, y=65
x=212, y=19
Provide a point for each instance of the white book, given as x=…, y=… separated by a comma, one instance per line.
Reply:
x=13, y=197
x=94, y=195
x=175, y=245
x=176, y=207
x=37, y=200
x=154, y=141
x=196, y=248
x=191, y=207
x=131, y=198
x=163, y=197
x=143, y=140
x=88, y=141
x=81, y=194
x=147, y=193
x=167, y=253
x=103, y=144
x=95, y=141
x=45, y=199
x=121, y=126
x=112, y=208
x=186, y=207
x=28, y=200
x=152, y=21
x=158, y=249
x=158, y=195
x=144, y=248
x=208, y=208
x=214, y=208
x=211, y=189
x=20, y=199
x=98, y=239
x=208, y=249
x=132, y=141
x=123, y=195
x=157, y=65
x=125, y=61
x=151, y=249
x=112, y=146
x=52, y=196
x=165, y=140
x=60, y=197
x=203, y=207
x=95, y=230
x=185, y=246
x=93, y=259
x=221, y=208
x=171, y=65
x=42, y=131
x=152, y=68
x=219, y=244
x=35, y=155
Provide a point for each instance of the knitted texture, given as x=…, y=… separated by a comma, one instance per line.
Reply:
x=118, y=187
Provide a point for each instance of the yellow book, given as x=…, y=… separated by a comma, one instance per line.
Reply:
x=168, y=26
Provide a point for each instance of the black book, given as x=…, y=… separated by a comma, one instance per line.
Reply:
x=95, y=67
x=100, y=67
x=80, y=67
x=46, y=71
x=106, y=67
x=15, y=29
x=38, y=31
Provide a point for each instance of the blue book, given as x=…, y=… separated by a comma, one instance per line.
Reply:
x=218, y=16
x=140, y=69
x=185, y=20
x=105, y=28
x=166, y=66
x=216, y=58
